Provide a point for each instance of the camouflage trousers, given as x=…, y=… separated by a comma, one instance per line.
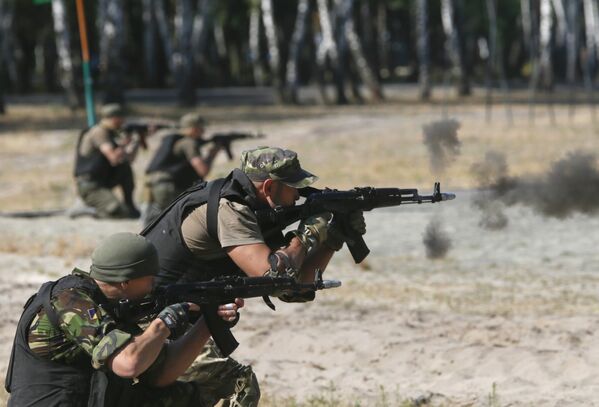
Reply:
x=99, y=195
x=223, y=381
x=158, y=196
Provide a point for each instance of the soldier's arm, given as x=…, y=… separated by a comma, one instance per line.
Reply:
x=201, y=165
x=114, y=155
x=140, y=352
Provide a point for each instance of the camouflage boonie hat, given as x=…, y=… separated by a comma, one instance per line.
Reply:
x=277, y=164
x=112, y=110
x=122, y=257
x=192, y=120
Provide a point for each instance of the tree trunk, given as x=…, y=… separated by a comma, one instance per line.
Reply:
x=63, y=48
x=164, y=33
x=274, y=58
x=112, y=60
x=182, y=55
x=590, y=17
x=297, y=40
x=572, y=44
x=202, y=24
x=7, y=45
x=453, y=47
x=254, y=35
x=327, y=49
x=527, y=31
x=562, y=24
x=546, y=60
x=422, y=46
x=150, y=51
x=383, y=40
x=355, y=47
x=3, y=35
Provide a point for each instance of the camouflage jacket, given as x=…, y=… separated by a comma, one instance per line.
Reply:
x=86, y=331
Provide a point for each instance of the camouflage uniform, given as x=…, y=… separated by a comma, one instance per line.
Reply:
x=89, y=334
x=222, y=377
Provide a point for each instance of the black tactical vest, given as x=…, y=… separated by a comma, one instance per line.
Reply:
x=177, y=263
x=96, y=165
x=179, y=168
x=33, y=381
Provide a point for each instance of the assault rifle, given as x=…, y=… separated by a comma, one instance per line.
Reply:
x=210, y=294
x=225, y=140
x=144, y=128
x=341, y=204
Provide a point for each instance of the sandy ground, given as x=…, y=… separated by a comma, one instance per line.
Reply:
x=506, y=318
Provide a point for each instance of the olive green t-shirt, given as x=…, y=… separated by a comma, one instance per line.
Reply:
x=237, y=226
x=94, y=138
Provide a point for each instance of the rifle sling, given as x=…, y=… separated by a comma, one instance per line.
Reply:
x=212, y=208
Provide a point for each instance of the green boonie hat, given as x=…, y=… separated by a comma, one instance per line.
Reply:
x=122, y=257
x=275, y=163
x=192, y=120
x=112, y=110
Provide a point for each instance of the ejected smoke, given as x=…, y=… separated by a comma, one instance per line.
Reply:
x=570, y=185
x=490, y=173
x=441, y=139
x=436, y=240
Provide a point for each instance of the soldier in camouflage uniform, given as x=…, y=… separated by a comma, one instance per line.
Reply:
x=102, y=162
x=177, y=164
x=71, y=350
x=212, y=230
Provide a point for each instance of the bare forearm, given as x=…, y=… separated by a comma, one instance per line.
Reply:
x=318, y=259
x=182, y=352
x=139, y=354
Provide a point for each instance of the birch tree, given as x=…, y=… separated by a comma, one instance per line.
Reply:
x=274, y=56
x=63, y=49
x=453, y=47
x=112, y=60
x=295, y=47
x=423, y=50
x=383, y=38
x=254, y=43
x=203, y=23
x=365, y=72
x=149, y=41
x=545, y=58
x=182, y=53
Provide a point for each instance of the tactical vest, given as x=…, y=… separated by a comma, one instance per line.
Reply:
x=95, y=165
x=179, y=168
x=33, y=381
x=177, y=262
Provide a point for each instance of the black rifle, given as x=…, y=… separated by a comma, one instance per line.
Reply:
x=225, y=140
x=144, y=128
x=210, y=294
x=341, y=204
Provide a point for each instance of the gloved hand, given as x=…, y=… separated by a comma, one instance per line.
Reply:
x=312, y=231
x=336, y=237
x=176, y=318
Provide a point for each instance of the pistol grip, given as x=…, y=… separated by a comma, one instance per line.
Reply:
x=219, y=329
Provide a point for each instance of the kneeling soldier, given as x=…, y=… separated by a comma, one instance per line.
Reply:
x=70, y=349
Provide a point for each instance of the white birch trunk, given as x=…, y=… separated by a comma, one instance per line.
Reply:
x=452, y=45
x=254, y=42
x=112, y=60
x=546, y=61
x=164, y=33
x=422, y=46
x=149, y=41
x=274, y=58
x=562, y=24
x=182, y=55
x=526, y=23
x=297, y=40
x=355, y=47
x=63, y=49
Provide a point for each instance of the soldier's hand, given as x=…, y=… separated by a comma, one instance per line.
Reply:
x=336, y=237
x=312, y=231
x=229, y=312
x=176, y=318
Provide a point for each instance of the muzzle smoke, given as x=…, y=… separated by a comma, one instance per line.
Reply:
x=436, y=240
x=441, y=140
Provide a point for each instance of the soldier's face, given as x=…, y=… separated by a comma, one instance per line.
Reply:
x=283, y=195
x=138, y=288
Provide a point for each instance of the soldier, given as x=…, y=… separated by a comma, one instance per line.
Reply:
x=212, y=230
x=103, y=162
x=70, y=349
x=177, y=164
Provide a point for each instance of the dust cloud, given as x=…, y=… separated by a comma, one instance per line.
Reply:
x=441, y=140
x=436, y=240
